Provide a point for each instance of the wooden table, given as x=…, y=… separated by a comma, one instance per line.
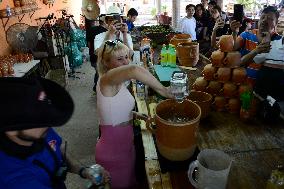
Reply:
x=256, y=148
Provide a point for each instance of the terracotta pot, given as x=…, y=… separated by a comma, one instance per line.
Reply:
x=245, y=115
x=214, y=87
x=176, y=141
x=208, y=72
x=180, y=38
x=233, y=105
x=233, y=59
x=219, y=103
x=226, y=43
x=217, y=58
x=188, y=53
x=223, y=74
x=17, y=3
x=203, y=99
x=244, y=88
x=239, y=75
x=230, y=90
x=200, y=84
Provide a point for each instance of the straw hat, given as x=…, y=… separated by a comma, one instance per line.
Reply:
x=90, y=9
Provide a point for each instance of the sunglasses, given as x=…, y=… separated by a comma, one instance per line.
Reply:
x=111, y=44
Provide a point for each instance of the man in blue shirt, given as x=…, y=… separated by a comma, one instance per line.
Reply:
x=131, y=17
x=30, y=150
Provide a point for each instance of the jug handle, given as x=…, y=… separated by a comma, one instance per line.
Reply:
x=192, y=167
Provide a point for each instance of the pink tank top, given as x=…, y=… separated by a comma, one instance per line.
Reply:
x=117, y=109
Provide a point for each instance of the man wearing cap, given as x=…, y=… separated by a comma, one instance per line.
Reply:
x=30, y=150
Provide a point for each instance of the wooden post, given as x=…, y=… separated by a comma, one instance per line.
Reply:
x=176, y=13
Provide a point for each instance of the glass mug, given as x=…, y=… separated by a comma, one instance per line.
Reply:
x=213, y=167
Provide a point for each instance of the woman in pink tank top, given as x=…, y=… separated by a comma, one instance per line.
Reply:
x=115, y=148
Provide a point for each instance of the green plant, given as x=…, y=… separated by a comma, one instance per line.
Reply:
x=154, y=12
x=164, y=8
x=250, y=5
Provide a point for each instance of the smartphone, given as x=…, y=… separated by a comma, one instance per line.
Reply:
x=238, y=12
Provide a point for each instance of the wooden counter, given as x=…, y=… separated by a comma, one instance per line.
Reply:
x=256, y=148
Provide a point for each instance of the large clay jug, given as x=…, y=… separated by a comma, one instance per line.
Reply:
x=217, y=58
x=176, y=141
x=200, y=84
x=203, y=99
x=188, y=53
x=233, y=59
x=226, y=43
x=180, y=38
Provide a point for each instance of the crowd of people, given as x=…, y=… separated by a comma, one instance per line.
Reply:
x=30, y=150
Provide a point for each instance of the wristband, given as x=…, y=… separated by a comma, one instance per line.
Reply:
x=81, y=172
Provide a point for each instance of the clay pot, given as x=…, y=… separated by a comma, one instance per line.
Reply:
x=245, y=115
x=229, y=90
x=17, y=3
x=217, y=58
x=214, y=87
x=188, y=53
x=239, y=75
x=244, y=88
x=232, y=59
x=176, y=141
x=200, y=84
x=226, y=43
x=208, y=72
x=180, y=38
x=233, y=105
x=219, y=103
x=223, y=74
x=203, y=100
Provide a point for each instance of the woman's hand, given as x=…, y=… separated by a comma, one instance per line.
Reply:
x=166, y=92
x=235, y=26
x=219, y=24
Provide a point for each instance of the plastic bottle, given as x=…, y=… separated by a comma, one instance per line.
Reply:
x=164, y=56
x=172, y=56
x=97, y=172
x=140, y=90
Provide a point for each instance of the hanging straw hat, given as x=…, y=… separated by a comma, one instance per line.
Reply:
x=90, y=9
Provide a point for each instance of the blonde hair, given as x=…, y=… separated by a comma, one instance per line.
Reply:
x=106, y=52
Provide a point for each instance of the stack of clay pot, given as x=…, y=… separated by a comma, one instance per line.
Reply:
x=224, y=78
